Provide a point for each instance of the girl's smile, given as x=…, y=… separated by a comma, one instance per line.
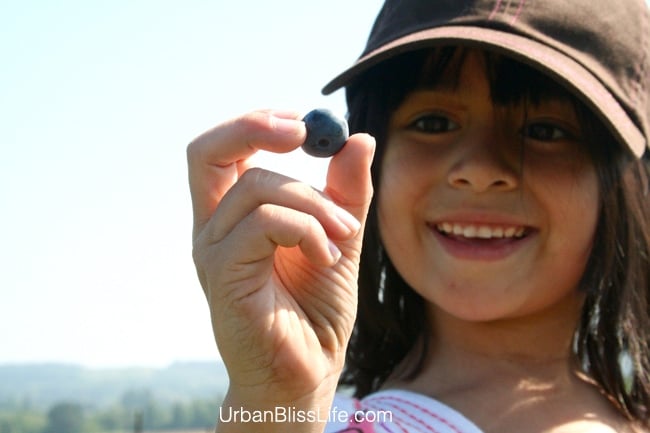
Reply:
x=483, y=237
x=487, y=210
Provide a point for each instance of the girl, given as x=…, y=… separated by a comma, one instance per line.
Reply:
x=502, y=263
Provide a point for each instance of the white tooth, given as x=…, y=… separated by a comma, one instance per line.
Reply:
x=484, y=232
x=469, y=232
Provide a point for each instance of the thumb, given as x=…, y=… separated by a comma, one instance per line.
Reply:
x=349, y=183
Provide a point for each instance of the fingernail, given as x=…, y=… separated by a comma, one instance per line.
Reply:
x=334, y=251
x=347, y=219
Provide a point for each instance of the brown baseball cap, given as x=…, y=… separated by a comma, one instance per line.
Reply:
x=598, y=49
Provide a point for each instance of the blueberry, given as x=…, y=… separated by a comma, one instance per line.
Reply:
x=326, y=133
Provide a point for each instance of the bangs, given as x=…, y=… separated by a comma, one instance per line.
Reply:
x=511, y=82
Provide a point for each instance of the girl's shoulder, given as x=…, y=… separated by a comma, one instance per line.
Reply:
x=395, y=410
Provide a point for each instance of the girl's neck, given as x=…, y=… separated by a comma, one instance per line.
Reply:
x=521, y=347
x=544, y=337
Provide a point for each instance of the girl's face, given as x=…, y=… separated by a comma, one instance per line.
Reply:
x=488, y=211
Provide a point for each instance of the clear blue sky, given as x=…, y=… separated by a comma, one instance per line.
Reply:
x=97, y=103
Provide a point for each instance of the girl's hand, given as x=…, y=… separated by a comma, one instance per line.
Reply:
x=278, y=261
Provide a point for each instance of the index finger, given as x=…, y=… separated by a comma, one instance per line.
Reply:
x=218, y=157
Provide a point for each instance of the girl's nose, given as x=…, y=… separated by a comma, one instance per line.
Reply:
x=483, y=164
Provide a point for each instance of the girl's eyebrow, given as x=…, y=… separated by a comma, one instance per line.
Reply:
x=434, y=98
x=545, y=98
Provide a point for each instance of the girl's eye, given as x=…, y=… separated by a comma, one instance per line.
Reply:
x=433, y=124
x=545, y=132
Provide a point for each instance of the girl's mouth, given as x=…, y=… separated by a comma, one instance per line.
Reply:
x=485, y=242
x=480, y=231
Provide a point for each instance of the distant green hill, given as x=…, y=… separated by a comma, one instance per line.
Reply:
x=38, y=386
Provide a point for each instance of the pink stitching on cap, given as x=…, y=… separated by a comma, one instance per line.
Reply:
x=495, y=10
x=519, y=9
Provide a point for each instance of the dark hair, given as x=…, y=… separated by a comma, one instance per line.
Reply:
x=611, y=343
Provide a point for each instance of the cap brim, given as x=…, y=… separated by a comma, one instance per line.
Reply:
x=542, y=57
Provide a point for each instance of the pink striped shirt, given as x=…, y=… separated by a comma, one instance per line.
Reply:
x=395, y=411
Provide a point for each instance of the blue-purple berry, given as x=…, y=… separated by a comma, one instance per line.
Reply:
x=326, y=133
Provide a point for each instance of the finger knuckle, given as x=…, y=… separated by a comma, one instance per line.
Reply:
x=310, y=226
x=292, y=226
x=199, y=254
x=193, y=152
x=262, y=216
x=254, y=177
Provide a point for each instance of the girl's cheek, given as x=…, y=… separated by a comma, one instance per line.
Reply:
x=573, y=167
